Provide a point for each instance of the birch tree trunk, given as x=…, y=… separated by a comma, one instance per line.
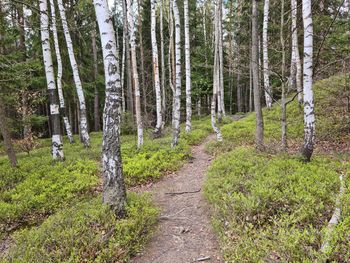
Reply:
x=84, y=133
x=6, y=135
x=162, y=59
x=57, y=145
x=59, y=74
x=187, y=67
x=96, y=96
x=268, y=91
x=177, y=94
x=114, y=193
x=221, y=62
x=259, y=133
x=157, y=88
x=130, y=17
x=296, y=63
x=143, y=81
x=309, y=116
x=283, y=95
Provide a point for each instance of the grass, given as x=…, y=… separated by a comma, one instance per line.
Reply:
x=271, y=207
x=41, y=192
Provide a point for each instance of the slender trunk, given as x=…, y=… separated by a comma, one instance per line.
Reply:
x=162, y=59
x=131, y=27
x=85, y=138
x=96, y=96
x=130, y=99
x=216, y=75
x=59, y=74
x=171, y=57
x=57, y=145
x=114, y=193
x=296, y=62
x=283, y=97
x=259, y=135
x=143, y=81
x=199, y=106
x=187, y=67
x=268, y=91
x=156, y=69
x=309, y=116
x=177, y=95
x=250, y=88
x=7, y=136
x=221, y=61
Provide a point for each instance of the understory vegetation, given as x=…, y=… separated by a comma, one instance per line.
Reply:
x=58, y=204
x=270, y=206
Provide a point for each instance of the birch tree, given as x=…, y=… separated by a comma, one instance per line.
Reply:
x=114, y=193
x=84, y=133
x=309, y=116
x=177, y=88
x=131, y=27
x=59, y=73
x=268, y=91
x=187, y=68
x=57, y=145
x=162, y=58
x=156, y=68
x=216, y=79
x=259, y=133
x=296, y=63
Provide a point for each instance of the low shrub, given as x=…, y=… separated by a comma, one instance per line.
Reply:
x=87, y=232
x=271, y=208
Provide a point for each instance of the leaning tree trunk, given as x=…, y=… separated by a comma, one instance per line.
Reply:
x=296, y=63
x=259, y=134
x=114, y=193
x=130, y=17
x=96, y=96
x=6, y=135
x=59, y=74
x=187, y=68
x=309, y=116
x=156, y=69
x=177, y=94
x=268, y=91
x=84, y=133
x=57, y=145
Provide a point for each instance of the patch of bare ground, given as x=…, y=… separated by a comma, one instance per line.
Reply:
x=184, y=233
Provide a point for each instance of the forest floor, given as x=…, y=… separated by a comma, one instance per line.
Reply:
x=184, y=233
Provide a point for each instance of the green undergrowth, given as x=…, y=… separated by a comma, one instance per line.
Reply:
x=332, y=118
x=272, y=208
x=40, y=187
x=87, y=232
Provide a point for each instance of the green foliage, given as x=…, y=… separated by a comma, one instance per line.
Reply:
x=87, y=232
x=271, y=208
x=33, y=190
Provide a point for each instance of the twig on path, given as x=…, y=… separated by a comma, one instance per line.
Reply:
x=181, y=193
x=201, y=259
x=335, y=218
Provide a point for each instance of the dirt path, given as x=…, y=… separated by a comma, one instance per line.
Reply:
x=184, y=234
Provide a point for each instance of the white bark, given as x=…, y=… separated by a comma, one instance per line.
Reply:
x=162, y=58
x=59, y=73
x=132, y=38
x=268, y=91
x=187, y=68
x=82, y=106
x=114, y=193
x=123, y=67
x=309, y=116
x=57, y=145
x=157, y=88
x=177, y=94
x=296, y=62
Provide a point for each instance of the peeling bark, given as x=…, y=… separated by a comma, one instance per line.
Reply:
x=114, y=193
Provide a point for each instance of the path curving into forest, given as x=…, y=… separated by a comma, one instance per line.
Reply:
x=184, y=232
